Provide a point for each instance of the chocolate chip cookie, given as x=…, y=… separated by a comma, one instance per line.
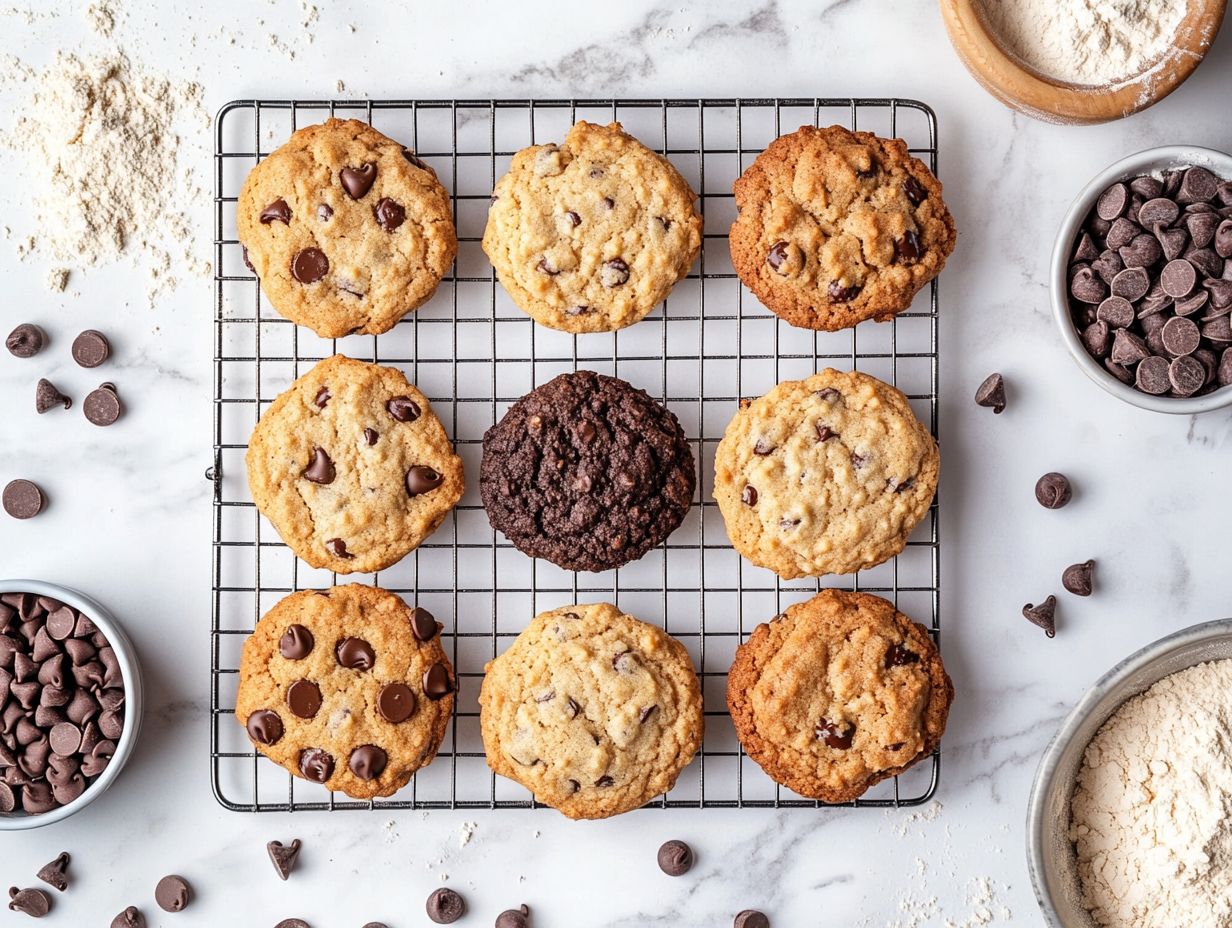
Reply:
x=587, y=471
x=352, y=467
x=589, y=235
x=838, y=693
x=593, y=711
x=347, y=687
x=827, y=475
x=348, y=230
x=835, y=227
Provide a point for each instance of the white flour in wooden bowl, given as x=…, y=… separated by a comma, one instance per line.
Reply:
x=1094, y=42
x=1151, y=816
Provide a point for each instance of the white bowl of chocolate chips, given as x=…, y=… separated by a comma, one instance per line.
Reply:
x=70, y=702
x=1142, y=279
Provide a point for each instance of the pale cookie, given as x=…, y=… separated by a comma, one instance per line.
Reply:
x=347, y=687
x=593, y=711
x=835, y=227
x=838, y=693
x=348, y=230
x=352, y=467
x=590, y=235
x=827, y=475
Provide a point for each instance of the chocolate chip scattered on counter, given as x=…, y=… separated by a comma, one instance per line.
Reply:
x=1053, y=490
x=284, y=856
x=102, y=406
x=751, y=918
x=1044, y=615
x=32, y=902
x=1079, y=578
x=56, y=873
x=376, y=925
x=445, y=906
x=91, y=348
x=129, y=918
x=991, y=393
x=25, y=341
x=514, y=918
x=22, y=499
x=293, y=923
x=173, y=893
x=47, y=397
x=675, y=858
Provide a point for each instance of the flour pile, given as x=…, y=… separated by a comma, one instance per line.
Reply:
x=1152, y=813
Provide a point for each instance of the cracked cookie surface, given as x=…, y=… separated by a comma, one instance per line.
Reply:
x=347, y=230
x=591, y=234
x=838, y=693
x=347, y=687
x=826, y=475
x=587, y=471
x=592, y=710
x=352, y=467
x=835, y=227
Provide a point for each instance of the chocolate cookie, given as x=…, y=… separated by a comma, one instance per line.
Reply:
x=347, y=229
x=347, y=687
x=593, y=711
x=352, y=467
x=835, y=227
x=827, y=475
x=587, y=472
x=838, y=693
x=591, y=234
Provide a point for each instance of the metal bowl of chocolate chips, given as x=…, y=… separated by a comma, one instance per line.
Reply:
x=1142, y=279
x=70, y=702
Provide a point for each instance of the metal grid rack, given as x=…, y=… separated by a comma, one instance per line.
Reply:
x=473, y=353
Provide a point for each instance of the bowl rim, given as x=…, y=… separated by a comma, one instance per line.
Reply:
x=126, y=655
x=1146, y=161
x=1047, y=768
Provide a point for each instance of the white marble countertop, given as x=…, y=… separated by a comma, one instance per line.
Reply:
x=130, y=521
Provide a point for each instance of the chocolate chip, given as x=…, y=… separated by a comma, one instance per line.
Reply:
x=1180, y=336
x=389, y=214
x=838, y=293
x=1158, y=211
x=445, y=906
x=1187, y=375
x=577, y=310
x=292, y=923
x=1197, y=184
x=25, y=341
x=748, y=495
x=47, y=397
x=56, y=873
x=916, y=192
x=1171, y=241
x=91, y=348
x=1146, y=187
x=276, y=211
x=1153, y=377
x=22, y=499
x=415, y=160
x=835, y=734
x=309, y=265
x=296, y=643
x=367, y=762
x=403, y=408
x=283, y=856
x=102, y=407
x=173, y=893
x=908, y=248
x=1117, y=312
x=321, y=400
x=1087, y=286
x=675, y=858
x=436, y=682
x=316, y=765
x=514, y=918
x=751, y=918
x=355, y=654
x=422, y=479
x=304, y=699
x=1085, y=249
x=609, y=202
x=1078, y=578
x=325, y=212
x=1223, y=239
x=1178, y=278
x=1132, y=283
x=1043, y=615
x=614, y=273
x=1096, y=338
x=264, y=727
x=1193, y=304
x=777, y=257
x=320, y=469
x=358, y=181
x=337, y=547
x=1202, y=228
x=1143, y=251
x=1053, y=490
x=1108, y=265
x=1121, y=233
x=423, y=624
x=65, y=739
x=370, y=436
x=395, y=702
x=32, y=902
x=1128, y=348
x=131, y=917
x=899, y=656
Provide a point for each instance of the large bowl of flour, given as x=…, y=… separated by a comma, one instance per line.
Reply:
x=1128, y=822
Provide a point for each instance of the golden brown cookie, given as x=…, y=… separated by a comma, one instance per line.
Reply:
x=827, y=475
x=835, y=227
x=838, y=693
x=352, y=467
x=593, y=711
x=348, y=230
x=347, y=687
x=591, y=234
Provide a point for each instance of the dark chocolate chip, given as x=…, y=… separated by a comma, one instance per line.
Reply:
x=1085, y=250
x=1053, y=490
x=916, y=192
x=32, y=902
x=1096, y=338
x=22, y=499
x=403, y=408
x=1197, y=185
x=1087, y=287
x=748, y=495
x=1180, y=336
x=173, y=893
x=321, y=400
x=283, y=856
x=368, y=761
x=422, y=479
x=47, y=397
x=309, y=265
x=395, y=702
x=102, y=407
x=1143, y=251
x=1146, y=186
x=296, y=643
x=56, y=873
x=316, y=765
x=445, y=906
x=751, y=918
x=1078, y=578
x=835, y=734
x=1128, y=348
x=1158, y=211
x=777, y=257
x=131, y=917
x=423, y=624
x=304, y=699
x=1223, y=239
x=436, y=682
x=389, y=214
x=264, y=727
x=292, y=923
x=1187, y=375
x=675, y=858
x=574, y=219
x=321, y=468
x=358, y=181
x=25, y=341
x=1171, y=241
x=1043, y=615
x=370, y=436
x=91, y=348
x=1178, y=278
x=899, y=656
x=337, y=547
x=1121, y=233
x=414, y=159
x=276, y=211
x=1113, y=202
x=514, y=918
x=1202, y=228
x=355, y=654
x=1132, y=283
x=325, y=212
x=1193, y=304
x=614, y=273
x=908, y=248
x=1117, y=312
x=839, y=293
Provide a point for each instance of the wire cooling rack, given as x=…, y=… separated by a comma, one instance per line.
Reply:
x=474, y=353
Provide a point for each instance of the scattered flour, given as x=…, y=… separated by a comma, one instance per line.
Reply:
x=1096, y=42
x=466, y=831
x=102, y=18
x=1150, y=815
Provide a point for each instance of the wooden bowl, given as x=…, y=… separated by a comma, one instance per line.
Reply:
x=1022, y=88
